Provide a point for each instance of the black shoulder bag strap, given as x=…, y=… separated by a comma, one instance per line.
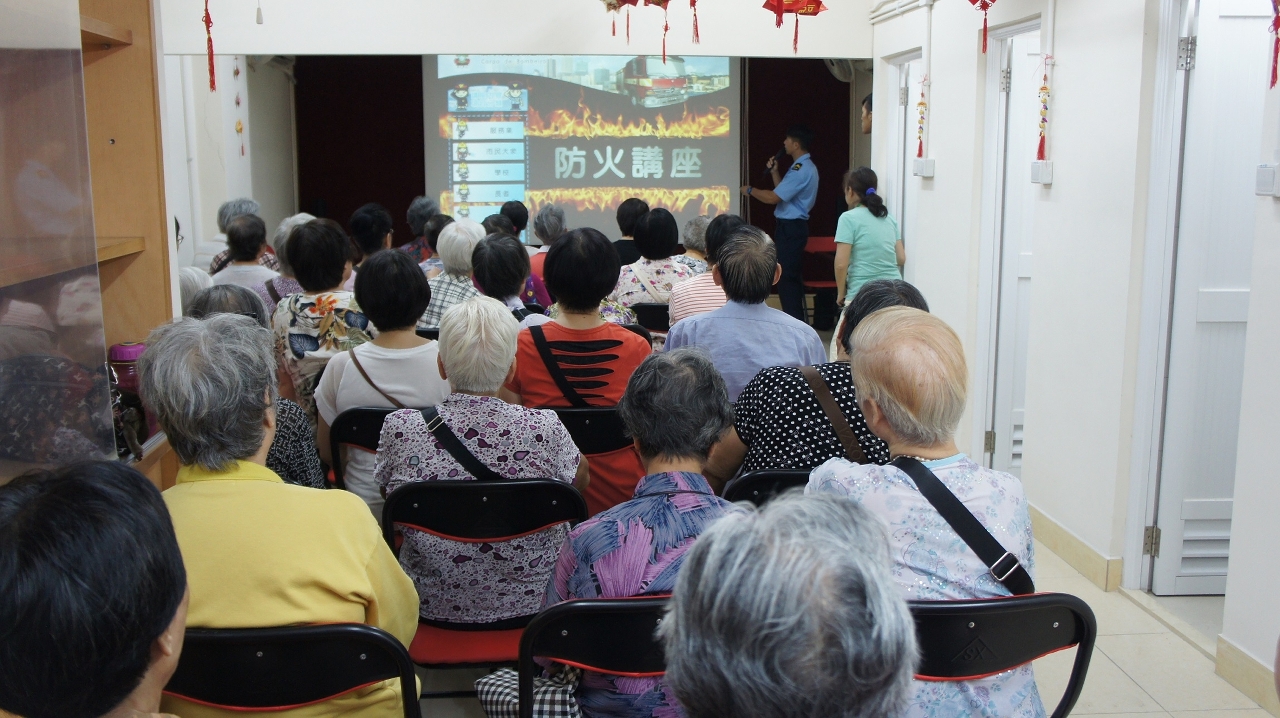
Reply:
x=1003, y=565
x=453, y=445
x=520, y=314
x=272, y=291
x=553, y=368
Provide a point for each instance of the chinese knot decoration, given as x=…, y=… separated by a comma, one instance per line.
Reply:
x=1044, y=113
x=1275, y=52
x=208, y=34
x=665, y=25
x=615, y=6
x=922, y=108
x=984, y=6
x=797, y=7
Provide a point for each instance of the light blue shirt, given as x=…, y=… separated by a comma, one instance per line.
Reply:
x=742, y=339
x=798, y=190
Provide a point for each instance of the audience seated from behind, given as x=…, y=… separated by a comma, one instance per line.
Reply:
x=629, y=212
x=260, y=552
x=548, y=226
x=515, y=211
x=533, y=291
x=324, y=318
x=498, y=224
x=421, y=211
x=501, y=269
x=595, y=357
x=93, y=594
x=371, y=231
x=778, y=422
x=675, y=408
x=458, y=241
x=432, y=267
x=278, y=288
x=395, y=370
x=499, y=580
x=910, y=372
x=745, y=335
x=701, y=294
x=293, y=453
x=190, y=281
x=228, y=211
x=695, y=244
x=650, y=278
x=790, y=611
x=246, y=242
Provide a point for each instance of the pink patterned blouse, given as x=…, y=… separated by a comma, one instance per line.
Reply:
x=649, y=280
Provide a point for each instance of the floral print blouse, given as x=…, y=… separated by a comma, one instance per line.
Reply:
x=610, y=311
x=310, y=329
x=932, y=563
x=634, y=549
x=478, y=582
x=697, y=265
x=649, y=280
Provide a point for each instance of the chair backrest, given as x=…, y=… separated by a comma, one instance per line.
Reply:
x=360, y=427
x=760, y=486
x=475, y=511
x=608, y=635
x=639, y=330
x=535, y=307
x=595, y=430
x=975, y=638
x=432, y=333
x=259, y=669
x=652, y=316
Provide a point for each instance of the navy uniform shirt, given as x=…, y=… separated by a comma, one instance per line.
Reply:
x=798, y=190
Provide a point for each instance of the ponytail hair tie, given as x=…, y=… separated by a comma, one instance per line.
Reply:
x=870, y=190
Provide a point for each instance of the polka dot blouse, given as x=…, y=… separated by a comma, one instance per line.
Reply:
x=779, y=419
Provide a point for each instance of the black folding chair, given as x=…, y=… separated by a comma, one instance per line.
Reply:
x=606, y=635
x=474, y=512
x=595, y=430
x=977, y=638
x=275, y=669
x=535, y=307
x=758, y=487
x=432, y=333
x=360, y=427
x=639, y=330
x=651, y=316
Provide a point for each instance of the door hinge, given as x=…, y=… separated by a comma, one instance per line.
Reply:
x=902, y=97
x=1151, y=541
x=1187, y=53
x=1006, y=78
x=989, y=442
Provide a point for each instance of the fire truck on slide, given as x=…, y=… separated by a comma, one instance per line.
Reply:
x=650, y=82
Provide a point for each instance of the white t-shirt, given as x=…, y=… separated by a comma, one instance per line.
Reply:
x=245, y=275
x=409, y=375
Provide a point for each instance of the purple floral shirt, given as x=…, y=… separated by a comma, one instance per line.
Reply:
x=478, y=582
x=634, y=549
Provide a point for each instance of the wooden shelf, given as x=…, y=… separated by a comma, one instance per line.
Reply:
x=99, y=35
x=114, y=247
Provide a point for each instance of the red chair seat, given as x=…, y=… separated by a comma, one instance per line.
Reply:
x=822, y=284
x=436, y=646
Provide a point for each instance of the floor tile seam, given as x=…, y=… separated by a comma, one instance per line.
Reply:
x=1147, y=693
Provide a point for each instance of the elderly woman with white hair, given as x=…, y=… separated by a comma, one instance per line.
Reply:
x=468, y=582
x=695, y=244
x=457, y=242
x=910, y=374
x=228, y=211
x=816, y=570
x=260, y=552
x=277, y=288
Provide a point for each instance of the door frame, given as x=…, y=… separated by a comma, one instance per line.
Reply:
x=1177, y=18
x=991, y=228
x=899, y=169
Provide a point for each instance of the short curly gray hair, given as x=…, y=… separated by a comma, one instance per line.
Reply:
x=548, y=224
x=421, y=209
x=210, y=383
x=676, y=405
x=233, y=208
x=281, y=238
x=695, y=233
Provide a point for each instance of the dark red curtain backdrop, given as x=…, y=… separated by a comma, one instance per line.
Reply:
x=782, y=92
x=359, y=135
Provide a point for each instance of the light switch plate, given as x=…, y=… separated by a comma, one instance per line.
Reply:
x=922, y=167
x=1267, y=182
x=1042, y=172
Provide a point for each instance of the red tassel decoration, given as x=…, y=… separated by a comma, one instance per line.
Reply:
x=778, y=13
x=665, y=28
x=795, y=38
x=1040, y=149
x=694, y=4
x=208, y=33
x=984, y=32
x=628, y=25
x=1275, y=53
x=615, y=27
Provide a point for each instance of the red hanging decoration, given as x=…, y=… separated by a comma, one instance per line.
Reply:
x=1044, y=110
x=208, y=33
x=1275, y=51
x=798, y=8
x=693, y=5
x=665, y=25
x=984, y=6
x=615, y=6
x=615, y=27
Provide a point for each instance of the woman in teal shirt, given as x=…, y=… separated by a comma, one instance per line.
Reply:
x=868, y=242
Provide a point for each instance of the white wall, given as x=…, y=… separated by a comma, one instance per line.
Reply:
x=271, y=125
x=425, y=27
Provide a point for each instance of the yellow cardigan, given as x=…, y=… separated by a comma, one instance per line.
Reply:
x=260, y=552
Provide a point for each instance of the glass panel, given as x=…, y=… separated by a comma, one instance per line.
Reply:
x=54, y=400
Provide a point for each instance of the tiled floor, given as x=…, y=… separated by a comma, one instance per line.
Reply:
x=1203, y=613
x=1139, y=667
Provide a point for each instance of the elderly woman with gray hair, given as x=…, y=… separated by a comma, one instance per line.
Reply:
x=228, y=211
x=676, y=408
x=790, y=611
x=548, y=226
x=260, y=552
x=468, y=582
x=457, y=243
x=909, y=370
x=272, y=291
x=695, y=244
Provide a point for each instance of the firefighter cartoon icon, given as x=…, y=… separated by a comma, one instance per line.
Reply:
x=464, y=191
x=461, y=129
x=461, y=152
x=464, y=171
x=461, y=95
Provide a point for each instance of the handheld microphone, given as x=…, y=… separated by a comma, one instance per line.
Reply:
x=778, y=162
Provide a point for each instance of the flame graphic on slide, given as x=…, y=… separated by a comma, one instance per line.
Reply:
x=586, y=124
x=709, y=200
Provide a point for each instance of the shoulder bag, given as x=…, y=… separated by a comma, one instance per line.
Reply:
x=852, y=449
x=453, y=445
x=365, y=374
x=553, y=368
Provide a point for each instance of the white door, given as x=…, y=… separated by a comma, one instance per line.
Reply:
x=1226, y=92
x=901, y=188
x=1020, y=78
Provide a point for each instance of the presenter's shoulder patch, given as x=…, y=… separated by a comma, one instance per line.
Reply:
x=795, y=166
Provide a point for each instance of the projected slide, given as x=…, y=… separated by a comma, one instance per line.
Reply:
x=581, y=132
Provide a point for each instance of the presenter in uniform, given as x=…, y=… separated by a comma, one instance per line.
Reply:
x=793, y=196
